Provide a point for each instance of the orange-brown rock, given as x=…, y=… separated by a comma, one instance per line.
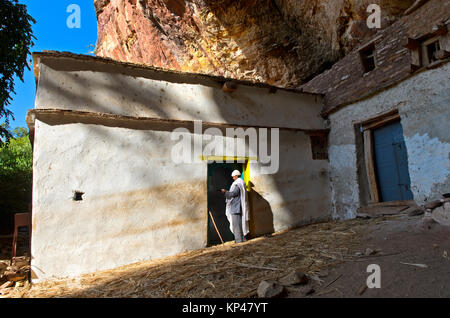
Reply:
x=280, y=42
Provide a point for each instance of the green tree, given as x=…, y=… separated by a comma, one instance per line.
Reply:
x=16, y=177
x=16, y=38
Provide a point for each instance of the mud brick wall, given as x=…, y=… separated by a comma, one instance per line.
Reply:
x=346, y=81
x=116, y=123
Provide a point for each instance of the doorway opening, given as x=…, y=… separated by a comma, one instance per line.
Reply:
x=219, y=177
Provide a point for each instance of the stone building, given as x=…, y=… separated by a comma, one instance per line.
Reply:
x=106, y=188
x=400, y=76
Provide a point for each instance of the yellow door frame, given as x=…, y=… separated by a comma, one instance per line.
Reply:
x=245, y=165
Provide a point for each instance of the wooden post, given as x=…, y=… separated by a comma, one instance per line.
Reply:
x=217, y=230
x=370, y=168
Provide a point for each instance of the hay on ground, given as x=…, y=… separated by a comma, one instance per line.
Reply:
x=225, y=271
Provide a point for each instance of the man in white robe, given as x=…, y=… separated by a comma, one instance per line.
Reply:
x=237, y=207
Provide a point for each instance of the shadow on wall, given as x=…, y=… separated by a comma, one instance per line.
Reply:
x=296, y=211
x=297, y=158
x=261, y=215
x=298, y=191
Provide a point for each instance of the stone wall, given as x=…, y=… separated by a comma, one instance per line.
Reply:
x=423, y=102
x=346, y=82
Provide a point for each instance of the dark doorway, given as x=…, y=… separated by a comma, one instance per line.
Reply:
x=219, y=177
x=391, y=163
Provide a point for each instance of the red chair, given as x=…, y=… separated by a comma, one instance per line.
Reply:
x=20, y=220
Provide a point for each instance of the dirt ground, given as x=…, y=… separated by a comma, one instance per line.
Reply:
x=402, y=240
x=333, y=255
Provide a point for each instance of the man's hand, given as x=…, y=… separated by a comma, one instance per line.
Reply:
x=224, y=191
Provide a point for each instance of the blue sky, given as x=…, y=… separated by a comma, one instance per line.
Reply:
x=52, y=33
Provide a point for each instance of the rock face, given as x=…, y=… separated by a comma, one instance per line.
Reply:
x=280, y=42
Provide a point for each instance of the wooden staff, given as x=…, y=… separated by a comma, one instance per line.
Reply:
x=217, y=230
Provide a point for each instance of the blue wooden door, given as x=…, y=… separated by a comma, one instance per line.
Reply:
x=391, y=163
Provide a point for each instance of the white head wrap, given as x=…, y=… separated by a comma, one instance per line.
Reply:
x=236, y=173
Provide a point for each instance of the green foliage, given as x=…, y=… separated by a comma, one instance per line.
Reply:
x=16, y=177
x=16, y=38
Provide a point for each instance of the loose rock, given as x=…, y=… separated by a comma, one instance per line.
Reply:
x=301, y=291
x=294, y=278
x=363, y=216
x=369, y=252
x=428, y=223
x=441, y=215
x=414, y=211
x=433, y=205
x=270, y=289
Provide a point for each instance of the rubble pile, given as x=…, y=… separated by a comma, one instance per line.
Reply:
x=296, y=284
x=437, y=212
x=14, y=275
x=374, y=210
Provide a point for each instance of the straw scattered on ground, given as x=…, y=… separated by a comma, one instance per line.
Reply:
x=225, y=271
